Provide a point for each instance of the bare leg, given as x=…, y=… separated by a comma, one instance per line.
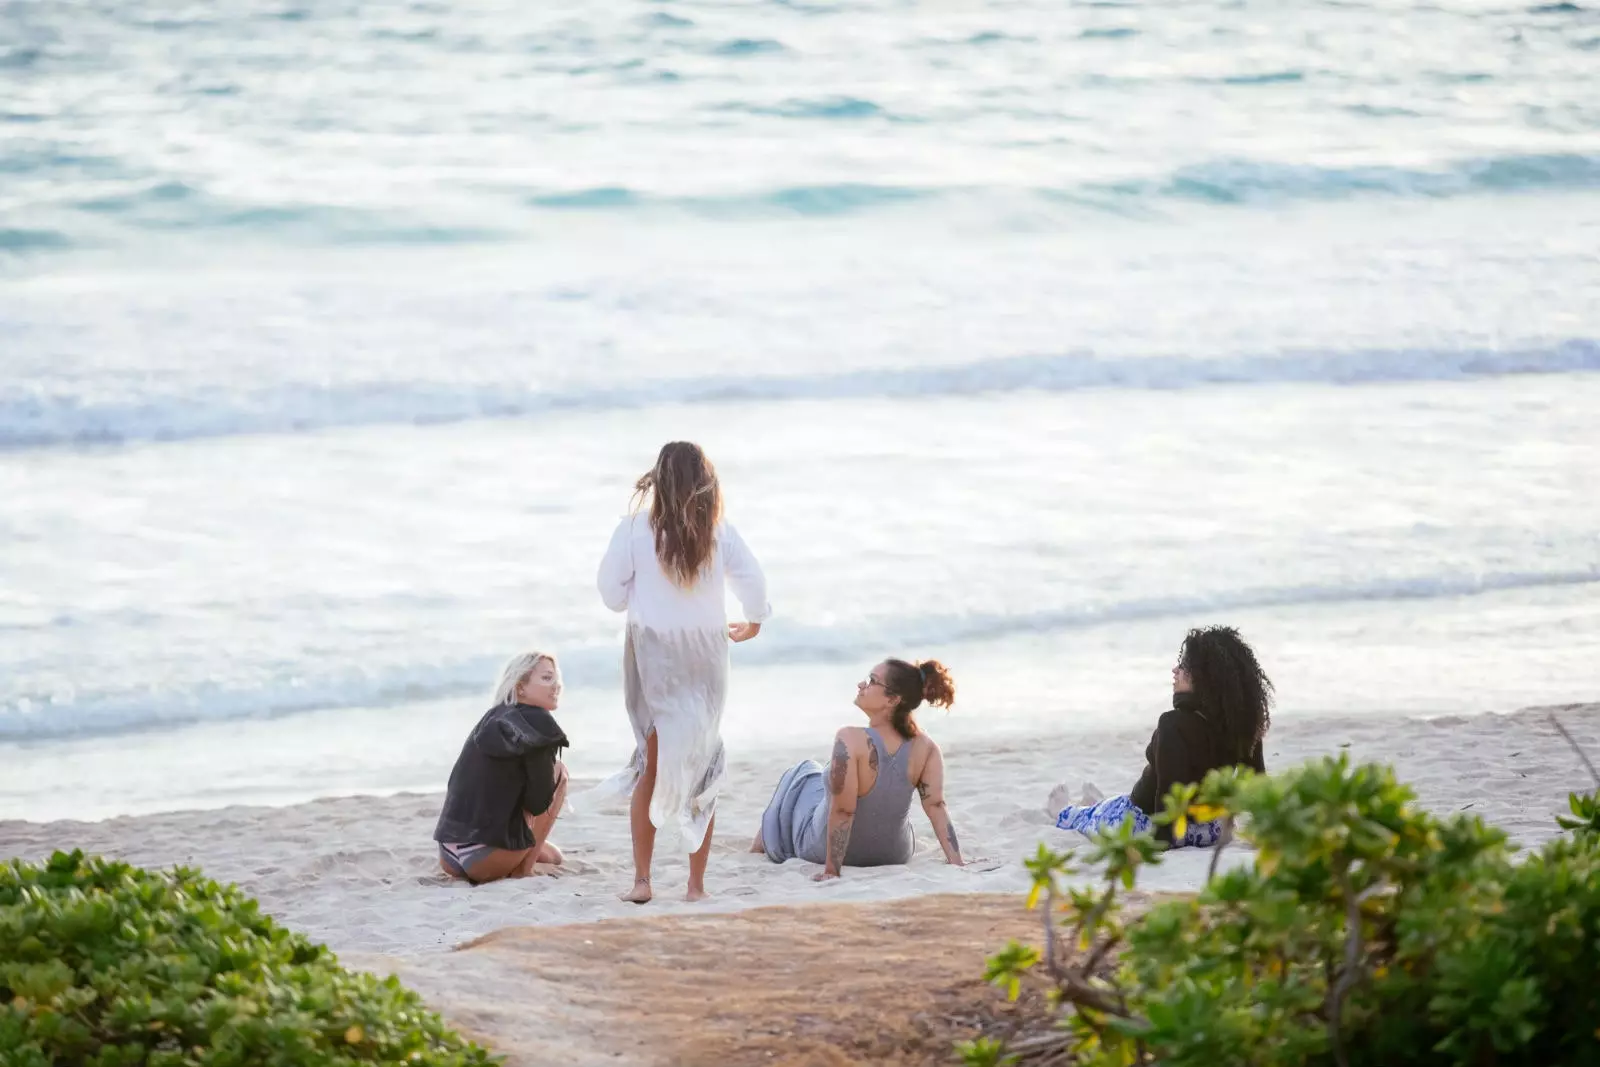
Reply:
x=502, y=864
x=644, y=831
x=697, y=865
x=542, y=825
x=525, y=868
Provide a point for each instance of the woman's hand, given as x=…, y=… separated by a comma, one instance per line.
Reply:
x=824, y=875
x=742, y=631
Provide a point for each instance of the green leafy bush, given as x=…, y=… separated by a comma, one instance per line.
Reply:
x=1367, y=932
x=104, y=965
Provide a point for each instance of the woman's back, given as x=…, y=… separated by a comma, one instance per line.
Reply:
x=883, y=810
x=1186, y=745
x=881, y=831
x=632, y=577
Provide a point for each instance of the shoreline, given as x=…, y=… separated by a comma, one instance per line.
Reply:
x=360, y=872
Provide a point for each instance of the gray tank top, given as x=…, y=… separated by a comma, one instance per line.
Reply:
x=882, y=830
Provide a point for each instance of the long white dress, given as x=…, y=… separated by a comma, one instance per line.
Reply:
x=675, y=668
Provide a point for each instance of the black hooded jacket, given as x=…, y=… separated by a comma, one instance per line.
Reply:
x=1185, y=748
x=507, y=767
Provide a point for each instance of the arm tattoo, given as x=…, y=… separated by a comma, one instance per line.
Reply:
x=872, y=757
x=839, y=843
x=840, y=765
x=950, y=835
x=922, y=790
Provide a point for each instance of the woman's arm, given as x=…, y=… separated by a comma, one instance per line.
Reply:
x=843, y=787
x=540, y=776
x=1175, y=759
x=616, y=568
x=744, y=575
x=931, y=788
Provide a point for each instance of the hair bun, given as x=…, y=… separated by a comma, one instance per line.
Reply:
x=938, y=688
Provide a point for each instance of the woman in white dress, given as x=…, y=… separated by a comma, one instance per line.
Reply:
x=668, y=569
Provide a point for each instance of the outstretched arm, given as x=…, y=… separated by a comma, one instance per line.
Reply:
x=746, y=578
x=931, y=788
x=843, y=787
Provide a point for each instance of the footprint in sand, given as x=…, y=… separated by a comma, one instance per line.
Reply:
x=438, y=879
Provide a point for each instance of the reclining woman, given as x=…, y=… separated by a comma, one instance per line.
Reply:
x=1221, y=700
x=508, y=784
x=859, y=814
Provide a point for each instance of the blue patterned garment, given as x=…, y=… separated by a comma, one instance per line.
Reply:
x=1111, y=812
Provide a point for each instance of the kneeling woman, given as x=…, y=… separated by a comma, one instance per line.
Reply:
x=508, y=784
x=858, y=812
x=1220, y=712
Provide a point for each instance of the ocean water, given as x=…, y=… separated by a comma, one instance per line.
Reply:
x=1024, y=334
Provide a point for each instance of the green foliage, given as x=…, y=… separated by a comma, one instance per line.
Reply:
x=984, y=1052
x=107, y=965
x=1585, y=814
x=1367, y=932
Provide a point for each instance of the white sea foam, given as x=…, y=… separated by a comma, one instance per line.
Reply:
x=32, y=418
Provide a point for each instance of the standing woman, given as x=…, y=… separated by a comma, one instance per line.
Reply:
x=668, y=569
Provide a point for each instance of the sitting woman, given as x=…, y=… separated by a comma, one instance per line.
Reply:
x=859, y=814
x=508, y=784
x=1220, y=702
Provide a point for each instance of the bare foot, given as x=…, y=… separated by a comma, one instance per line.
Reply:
x=695, y=894
x=1060, y=797
x=640, y=893
x=758, y=845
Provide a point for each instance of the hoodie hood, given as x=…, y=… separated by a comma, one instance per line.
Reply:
x=513, y=730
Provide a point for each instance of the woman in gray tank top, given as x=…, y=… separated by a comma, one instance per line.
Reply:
x=857, y=812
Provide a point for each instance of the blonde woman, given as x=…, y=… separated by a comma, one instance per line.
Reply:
x=508, y=784
x=669, y=568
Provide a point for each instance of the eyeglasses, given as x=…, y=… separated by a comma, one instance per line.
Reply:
x=872, y=681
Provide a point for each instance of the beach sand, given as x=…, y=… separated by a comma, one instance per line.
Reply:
x=360, y=873
x=879, y=982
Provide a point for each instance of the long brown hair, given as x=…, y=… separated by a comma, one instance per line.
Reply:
x=685, y=507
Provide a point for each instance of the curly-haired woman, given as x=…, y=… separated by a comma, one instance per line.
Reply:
x=1221, y=709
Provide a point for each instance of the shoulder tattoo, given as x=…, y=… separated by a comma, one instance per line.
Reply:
x=839, y=767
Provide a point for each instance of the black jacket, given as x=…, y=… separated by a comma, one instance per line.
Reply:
x=1184, y=749
x=507, y=767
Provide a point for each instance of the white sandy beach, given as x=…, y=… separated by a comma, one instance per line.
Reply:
x=360, y=872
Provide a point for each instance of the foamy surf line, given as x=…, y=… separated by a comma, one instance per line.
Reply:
x=38, y=417
x=36, y=718
x=130, y=205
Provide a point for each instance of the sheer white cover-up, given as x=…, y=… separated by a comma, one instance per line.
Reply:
x=675, y=668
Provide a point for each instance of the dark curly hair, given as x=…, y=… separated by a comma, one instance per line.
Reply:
x=1230, y=684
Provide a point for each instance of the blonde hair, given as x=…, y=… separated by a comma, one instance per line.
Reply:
x=516, y=671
